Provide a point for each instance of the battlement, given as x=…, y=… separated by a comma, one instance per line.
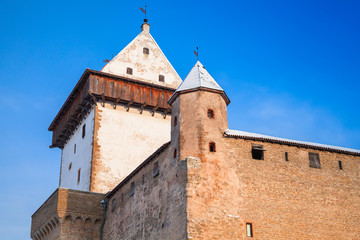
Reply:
x=68, y=214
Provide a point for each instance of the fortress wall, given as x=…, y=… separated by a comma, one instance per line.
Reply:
x=157, y=209
x=281, y=199
x=124, y=139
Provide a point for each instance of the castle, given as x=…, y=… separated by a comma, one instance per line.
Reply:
x=148, y=156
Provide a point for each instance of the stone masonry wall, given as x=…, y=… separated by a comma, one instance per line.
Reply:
x=157, y=209
x=68, y=214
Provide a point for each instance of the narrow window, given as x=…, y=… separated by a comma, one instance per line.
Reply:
x=161, y=78
x=175, y=153
x=83, y=130
x=212, y=147
x=314, y=160
x=210, y=114
x=340, y=165
x=132, y=189
x=175, y=121
x=257, y=152
x=156, y=169
x=125, y=88
x=78, y=178
x=249, y=230
x=74, y=148
x=150, y=95
x=113, y=205
x=146, y=51
x=70, y=164
x=286, y=156
x=129, y=71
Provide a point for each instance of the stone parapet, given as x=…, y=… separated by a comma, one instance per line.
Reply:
x=68, y=214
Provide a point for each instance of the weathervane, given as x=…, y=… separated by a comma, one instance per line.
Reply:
x=144, y=11
x=197, y=53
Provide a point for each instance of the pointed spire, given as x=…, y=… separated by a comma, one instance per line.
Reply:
x=199, y=79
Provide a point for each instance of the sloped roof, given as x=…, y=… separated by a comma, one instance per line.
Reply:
x=145, y=66
x=199, y=77
x=260, y=137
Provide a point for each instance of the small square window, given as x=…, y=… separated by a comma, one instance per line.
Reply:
x=257, y=152
x=146, y=51
x=314, y=160
x=156, y=169
x=132, y=191
x=161, y=78
x=129, y=71
x=249, y=230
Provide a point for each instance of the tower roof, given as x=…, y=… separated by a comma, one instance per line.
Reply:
x=142, y=59
x=199, y=79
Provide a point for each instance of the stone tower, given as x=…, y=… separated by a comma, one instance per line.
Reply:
x=199, y=110
x=115, y=118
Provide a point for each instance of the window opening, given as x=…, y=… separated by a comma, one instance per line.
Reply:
x=146, y=51
x=175, y=121
x=257, y=152
x=83, y=130
x=74, y=148
x=340, y=165
x=70, y=164
x=314, y=160
x=156, y=169
x=210, y=113
x=78, y=177
x=212, y=147
x=111, y=84
x=161, y=78
x=129, y=71
x=249, y=230
x=286, y=156
x=175, y=153
x=132, y=189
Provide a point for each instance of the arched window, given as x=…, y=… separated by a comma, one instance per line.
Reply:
x=211, y=113
x=212, y=147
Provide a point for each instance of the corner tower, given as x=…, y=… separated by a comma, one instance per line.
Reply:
x=199, y=115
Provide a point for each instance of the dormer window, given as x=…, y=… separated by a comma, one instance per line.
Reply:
x=146, y=51
x=129, y=71
x=161, y=78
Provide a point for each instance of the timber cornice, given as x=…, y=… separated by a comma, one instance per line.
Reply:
x=98, y=87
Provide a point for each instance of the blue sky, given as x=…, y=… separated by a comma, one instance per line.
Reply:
x=290, y=68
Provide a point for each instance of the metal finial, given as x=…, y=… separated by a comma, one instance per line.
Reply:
x=197, y=53
x=144, y=11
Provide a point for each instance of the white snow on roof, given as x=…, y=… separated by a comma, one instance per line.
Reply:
x=199, y=77
x=236, y=133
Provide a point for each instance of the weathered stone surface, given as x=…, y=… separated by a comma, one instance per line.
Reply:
x=68, y=214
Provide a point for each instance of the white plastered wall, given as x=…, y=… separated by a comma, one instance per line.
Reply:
x=81, y=159
x=125, y=140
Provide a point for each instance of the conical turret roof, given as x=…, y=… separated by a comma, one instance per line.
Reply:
x=199, y=79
